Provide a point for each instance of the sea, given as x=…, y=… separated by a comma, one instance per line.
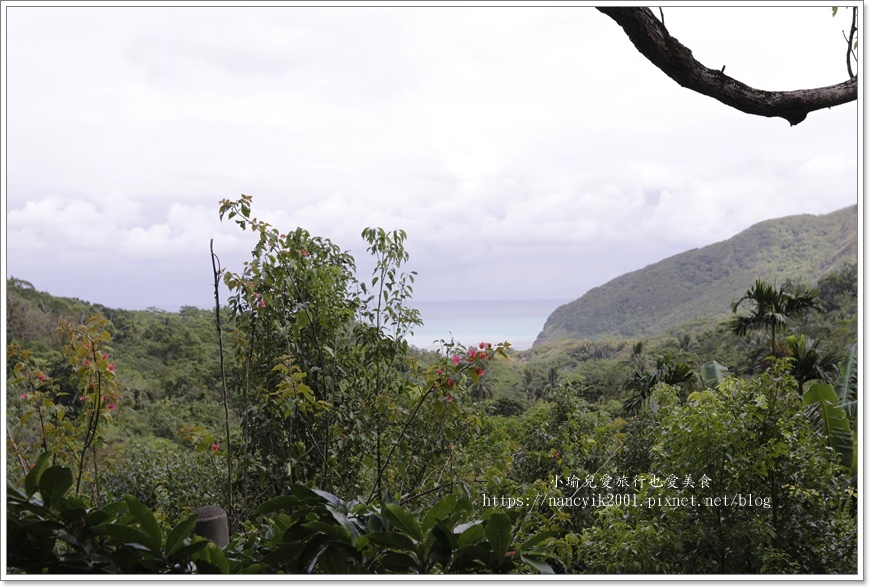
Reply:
x=473, y=321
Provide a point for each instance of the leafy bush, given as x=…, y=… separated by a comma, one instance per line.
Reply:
x=170, y=479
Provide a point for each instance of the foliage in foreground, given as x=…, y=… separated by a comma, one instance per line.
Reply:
x=322, y=397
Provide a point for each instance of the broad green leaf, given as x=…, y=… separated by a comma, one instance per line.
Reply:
x=281, y=502
x=175, y=538
x=122, y=534
x=470, y=535
x=403, y=519
x=214, y=557
x=498, y=533
x=538, y=538
x=346, y=524
x=847, y=386
x=398, y=562
x=54, y=483
x=332, y=530
x=31, y=482
x=538, y=565
x=825, y=412
x=392, y=540
x=439, y=511
x=713, y=374
x=149, y=524
x=187, y=551
x=329, y=560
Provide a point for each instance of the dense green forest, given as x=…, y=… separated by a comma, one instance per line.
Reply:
x=724, y=444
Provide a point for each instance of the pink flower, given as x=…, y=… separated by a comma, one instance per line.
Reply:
x=262, y=303
x=471, y=352
x=450, y=383
x=111, y=367
x=479, y=372
x=456, y=359
x=86, y=363
x=256, y=295
x=105, y=356
x=441, y=371
x=83, y=398
x=481, y=354
x=215, y=447
x=449, y=397
x=282, y=236
x=111, y=406
x=22, y=395
x=303, y=252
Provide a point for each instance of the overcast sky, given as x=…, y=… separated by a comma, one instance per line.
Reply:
x=529, y=153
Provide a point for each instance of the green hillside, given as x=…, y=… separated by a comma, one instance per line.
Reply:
x=701, y=284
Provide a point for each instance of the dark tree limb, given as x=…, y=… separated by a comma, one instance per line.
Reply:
x=850, y=46
x=653, y=41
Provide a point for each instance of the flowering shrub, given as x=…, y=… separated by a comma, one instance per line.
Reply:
x=320, y=363
x=49, y=422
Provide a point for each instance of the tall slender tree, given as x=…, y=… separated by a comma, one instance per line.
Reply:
x=771, y=309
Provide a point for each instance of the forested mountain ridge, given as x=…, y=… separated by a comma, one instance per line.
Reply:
x=702, y=283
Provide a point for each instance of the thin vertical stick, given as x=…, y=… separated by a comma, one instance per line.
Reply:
x=215, y=266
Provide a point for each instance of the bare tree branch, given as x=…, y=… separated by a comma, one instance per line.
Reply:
x=850, y=52
x=653, y=41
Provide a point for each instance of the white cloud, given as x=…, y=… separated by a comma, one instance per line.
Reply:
x=532, y=142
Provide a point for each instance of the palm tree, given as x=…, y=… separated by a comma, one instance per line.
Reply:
x=770, y=309
x=808, y=363
x=639, y=385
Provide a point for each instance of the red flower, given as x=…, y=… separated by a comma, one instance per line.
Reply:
x=105, y=356
x=41, y=377
x=111, y=367
x=456, y=359
x=303, y=252
x=471, y=352
x=86, y=363
x=282, y=236
x=441, y=371
x=22, y=395
x=481, y=354
x=215, y=447
x=262, y=303
x=482, y=345
x=450, y=382
x=479, y=372
x=111, y=406
x=489, y=345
